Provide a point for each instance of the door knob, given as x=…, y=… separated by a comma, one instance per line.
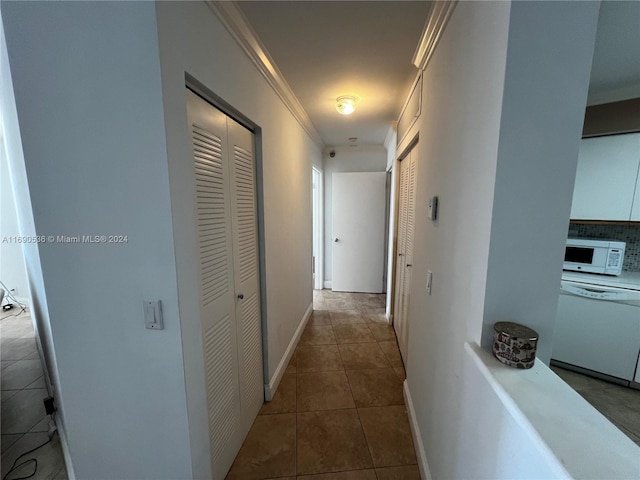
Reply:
x=240, y=296
x=335, y=240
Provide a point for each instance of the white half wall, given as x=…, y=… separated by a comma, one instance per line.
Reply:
x=347, y=159
x=86, y=78
x=193, y=40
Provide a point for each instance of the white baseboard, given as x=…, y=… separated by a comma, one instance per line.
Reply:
x=327, y=284
x=71, y=475
x=425, y=473
x=271, y=387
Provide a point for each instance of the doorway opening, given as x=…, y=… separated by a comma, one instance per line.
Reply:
x=31, y=441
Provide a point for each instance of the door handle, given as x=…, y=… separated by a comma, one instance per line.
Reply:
x=240, y=296
x=400, y=254
x=335, y=240
x=409, y=265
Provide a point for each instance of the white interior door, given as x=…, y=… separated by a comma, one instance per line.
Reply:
x=404, y=259
x=229, y=293
x=358, y=210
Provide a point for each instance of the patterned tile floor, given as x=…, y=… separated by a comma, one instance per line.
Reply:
x=339, y=411
x=621, y=405
x=24, y=423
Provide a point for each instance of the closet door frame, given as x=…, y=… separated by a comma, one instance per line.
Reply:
x=250, y=403
x=397, y=260
x=200, y=89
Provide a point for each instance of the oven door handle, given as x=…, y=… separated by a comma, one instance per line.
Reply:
x=594, y=293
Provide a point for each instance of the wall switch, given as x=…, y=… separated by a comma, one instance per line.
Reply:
x=433, y=208
x=153, y=315
x=429, y=281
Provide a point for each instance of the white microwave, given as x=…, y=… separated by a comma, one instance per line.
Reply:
x=594, y=256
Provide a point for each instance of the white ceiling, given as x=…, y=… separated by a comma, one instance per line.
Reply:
x=330, y=48
x=615, y=73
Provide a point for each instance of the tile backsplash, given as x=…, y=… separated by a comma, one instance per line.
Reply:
x=624, y=233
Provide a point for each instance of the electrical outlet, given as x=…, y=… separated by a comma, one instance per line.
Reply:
x=49, y=405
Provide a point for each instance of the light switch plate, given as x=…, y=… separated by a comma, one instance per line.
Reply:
x=153, y=315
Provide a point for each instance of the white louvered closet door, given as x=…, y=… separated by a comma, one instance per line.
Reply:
x=403, y=190
x=404, y=260
x=403, y=341
x=231, y=333
x=245, y=252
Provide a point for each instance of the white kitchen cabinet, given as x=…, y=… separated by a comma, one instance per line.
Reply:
x=606, y=178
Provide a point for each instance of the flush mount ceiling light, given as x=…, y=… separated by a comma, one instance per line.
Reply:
x=346, y=104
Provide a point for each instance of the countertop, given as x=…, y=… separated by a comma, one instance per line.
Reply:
x=629, y=280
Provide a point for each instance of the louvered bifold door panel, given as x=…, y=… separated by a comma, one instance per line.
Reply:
x=245, y=234
x=401, y=247
x=217, y=298
x=410, y=228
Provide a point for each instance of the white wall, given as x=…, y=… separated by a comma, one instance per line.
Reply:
x=390, y=143
x=348, y=159
x=193, y=40
x=480, y=144
x=87, y=88
x=12, y=268
x=543, y=108
x=459, y=128
x=17, y=176
x=95, y=142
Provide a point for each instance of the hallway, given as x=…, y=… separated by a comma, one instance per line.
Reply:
x=24, y=423
x=339, y=410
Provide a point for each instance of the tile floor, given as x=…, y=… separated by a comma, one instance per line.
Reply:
x=23, y=421
x=339, y=411
x=621, y=405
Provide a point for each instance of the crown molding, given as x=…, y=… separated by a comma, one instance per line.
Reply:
x=234, y=20
x=437, y=20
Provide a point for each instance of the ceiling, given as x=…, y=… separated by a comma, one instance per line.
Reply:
x=615, y=73
x=326, y=49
